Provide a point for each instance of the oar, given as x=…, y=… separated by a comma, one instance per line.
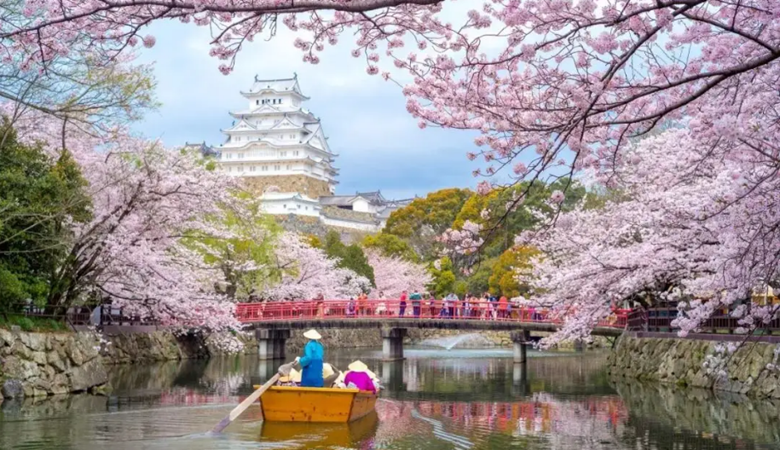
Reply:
x=238, y=410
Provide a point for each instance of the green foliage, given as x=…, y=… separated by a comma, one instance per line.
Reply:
x=503, y=280
x=349, y=256
x=252, y=246
x=425, y=218
x=32, y=323
x=443, y=278
x=390, y=245
x=477, y=282
x=38, y=195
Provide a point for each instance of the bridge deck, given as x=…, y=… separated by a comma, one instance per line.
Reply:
x=391, y=314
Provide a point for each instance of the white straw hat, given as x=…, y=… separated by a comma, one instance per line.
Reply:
x=312, y=334
x=357, y=366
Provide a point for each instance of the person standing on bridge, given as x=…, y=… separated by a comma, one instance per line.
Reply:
x=416, y=299
x=402, y=304
x=312, y=360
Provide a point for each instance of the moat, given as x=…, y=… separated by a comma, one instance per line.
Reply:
x=435, y=399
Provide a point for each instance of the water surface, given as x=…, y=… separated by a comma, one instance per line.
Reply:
x=436, y=399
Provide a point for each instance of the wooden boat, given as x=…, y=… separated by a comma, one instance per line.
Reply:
x=322, y=435
x=321, y=405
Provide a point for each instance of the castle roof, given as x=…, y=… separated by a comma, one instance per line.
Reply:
x=279, y=86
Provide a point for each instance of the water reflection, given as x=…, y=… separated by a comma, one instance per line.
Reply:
x=467, y=399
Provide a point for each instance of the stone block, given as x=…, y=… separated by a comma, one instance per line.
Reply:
x=34, y=341
x=54, y=359
x=12, y=389
x=87, y=376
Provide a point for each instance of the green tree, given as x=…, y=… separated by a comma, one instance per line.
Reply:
x=425, y=218
x=505, y=271
x=38, y=196
x=477, y=282
x=442, y=277
x=350, y=256
x=390, y=245
x=245, y=259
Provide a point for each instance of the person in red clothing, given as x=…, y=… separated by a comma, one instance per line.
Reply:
x=502, y=304
x=402, y=304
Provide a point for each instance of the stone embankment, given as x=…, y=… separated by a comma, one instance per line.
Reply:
x=38, y=364
x=749, y=370
x=41, y=364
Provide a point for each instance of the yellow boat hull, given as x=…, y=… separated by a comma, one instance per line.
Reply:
x=328, y=435
x=320, y=405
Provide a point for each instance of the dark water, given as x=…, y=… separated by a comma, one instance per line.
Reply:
x=461, y=399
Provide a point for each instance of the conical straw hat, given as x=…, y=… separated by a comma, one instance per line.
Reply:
x=312, y=334
x=358, y=366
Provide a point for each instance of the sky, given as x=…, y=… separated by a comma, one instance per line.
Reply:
x=380, y=145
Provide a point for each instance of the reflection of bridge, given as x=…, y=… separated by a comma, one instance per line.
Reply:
x=272, y=321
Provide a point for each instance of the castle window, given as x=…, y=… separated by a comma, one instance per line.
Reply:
x=265, y=168
x=288, y=167
x=230, y=169
x=295, y=153
x=240, y=156
x=257, y=102
x=240, y=168
x=280, y=101
x=277, y=167
x=252, y=169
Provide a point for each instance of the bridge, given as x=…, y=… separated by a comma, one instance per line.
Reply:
x=272, y=321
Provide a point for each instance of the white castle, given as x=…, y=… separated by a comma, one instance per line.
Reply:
x=280, y=151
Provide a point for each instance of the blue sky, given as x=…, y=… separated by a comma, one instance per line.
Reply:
x=379, y=144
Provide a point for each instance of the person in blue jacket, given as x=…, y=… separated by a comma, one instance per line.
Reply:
x=311, y=362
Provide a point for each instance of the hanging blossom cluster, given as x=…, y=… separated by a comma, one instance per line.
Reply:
x=144, y=198
x=698, y=223
x=307, y=273
x=466, y=240
x=393, y=275
x=562, y=82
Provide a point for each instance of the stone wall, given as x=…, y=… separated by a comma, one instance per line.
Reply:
x=337, y=338
x=680, y=362
x=311, y=187
x=38, y=364
x=348, y=214
x=155, y=346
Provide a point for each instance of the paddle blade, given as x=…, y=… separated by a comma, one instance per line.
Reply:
x=238, y=410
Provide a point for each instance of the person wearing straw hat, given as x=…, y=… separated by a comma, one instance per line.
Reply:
x=358, y=377
x=312, y=360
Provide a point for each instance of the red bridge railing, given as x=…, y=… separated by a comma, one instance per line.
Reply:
x=427, y=310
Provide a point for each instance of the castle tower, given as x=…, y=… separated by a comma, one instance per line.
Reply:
x=279, y=148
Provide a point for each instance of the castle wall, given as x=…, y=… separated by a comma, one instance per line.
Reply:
x=302, y=184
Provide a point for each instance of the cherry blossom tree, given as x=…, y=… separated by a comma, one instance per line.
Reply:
x=144, y=199
x=393, y=274
x=306, y=272
x=693, y=223
x=567, y=81
x=554, y=88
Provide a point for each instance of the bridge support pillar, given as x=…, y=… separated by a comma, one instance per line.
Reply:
x=393, y=343
x=270, y=343
x=519, y=340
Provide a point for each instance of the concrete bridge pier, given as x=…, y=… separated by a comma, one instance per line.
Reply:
x=270, y=343
x=393, y=343
x=520, y=339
